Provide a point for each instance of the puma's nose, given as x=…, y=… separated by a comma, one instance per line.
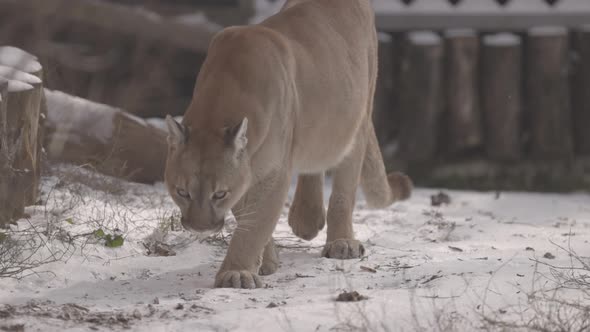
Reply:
x=202, y=227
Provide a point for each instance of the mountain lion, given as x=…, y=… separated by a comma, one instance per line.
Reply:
x=293, y=94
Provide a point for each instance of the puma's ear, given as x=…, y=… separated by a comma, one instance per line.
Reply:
x=236, y=135
x=177, y=134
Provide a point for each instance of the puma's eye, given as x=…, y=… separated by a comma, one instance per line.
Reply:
x=219, y=195
x=183, y=193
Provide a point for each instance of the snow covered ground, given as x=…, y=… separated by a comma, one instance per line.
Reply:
x=427, y=268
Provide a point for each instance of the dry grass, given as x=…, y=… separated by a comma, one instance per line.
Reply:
x=557, y=301
x=75, y=204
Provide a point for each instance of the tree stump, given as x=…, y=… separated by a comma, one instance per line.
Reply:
x=110, y=140
x=581, y=91
x=547, y=93
x=463, y=120
x=28, y=63
x=501, y=96
x=420, y=96
x=19, y=120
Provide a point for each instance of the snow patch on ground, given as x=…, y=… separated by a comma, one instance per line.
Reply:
x=422, y=262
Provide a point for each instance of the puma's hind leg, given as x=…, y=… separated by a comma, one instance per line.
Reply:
x=381, y=189
x=307, y=215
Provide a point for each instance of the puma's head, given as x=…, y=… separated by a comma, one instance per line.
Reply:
x=207, y=172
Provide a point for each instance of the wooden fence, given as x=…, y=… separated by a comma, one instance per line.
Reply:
x=489, y=15
x=486, y=95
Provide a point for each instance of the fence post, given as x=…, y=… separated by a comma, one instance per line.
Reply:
x=581, y=91
x=385, y=114
x=420, y=96
x=463, y=117
x=501, y=95
x=547, y=93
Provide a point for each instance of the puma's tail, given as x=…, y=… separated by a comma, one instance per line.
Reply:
x=381, y=189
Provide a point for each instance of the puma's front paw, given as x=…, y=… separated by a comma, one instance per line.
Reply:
x=343, y=249
x=237, y=279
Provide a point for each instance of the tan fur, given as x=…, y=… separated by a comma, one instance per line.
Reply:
x=292, y=94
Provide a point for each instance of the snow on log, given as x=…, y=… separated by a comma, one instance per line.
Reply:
x=463, y=120
x=581, y=90
x=19, y=123
x=420, y=96
x=501, y=95
x=112, y=141
x=547, y=93
x=21, y=60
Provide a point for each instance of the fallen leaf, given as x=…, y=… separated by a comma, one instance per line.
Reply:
x=114, y=241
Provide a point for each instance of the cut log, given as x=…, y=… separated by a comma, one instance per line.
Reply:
x=463, y=120
x=547, y=93
x=420, y=96
x=28, y=63
x=18, y=129
x=581, y=91
x=112, y=141
x=501, y=96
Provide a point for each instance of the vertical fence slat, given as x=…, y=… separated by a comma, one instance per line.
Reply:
x=420, y=96
x=547, y=93
x=385, y=114
x=463, y=120
x=501, y=95
x=581, y=91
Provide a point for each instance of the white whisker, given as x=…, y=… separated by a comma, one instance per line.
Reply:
x=243, y=208
x=238, y=216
